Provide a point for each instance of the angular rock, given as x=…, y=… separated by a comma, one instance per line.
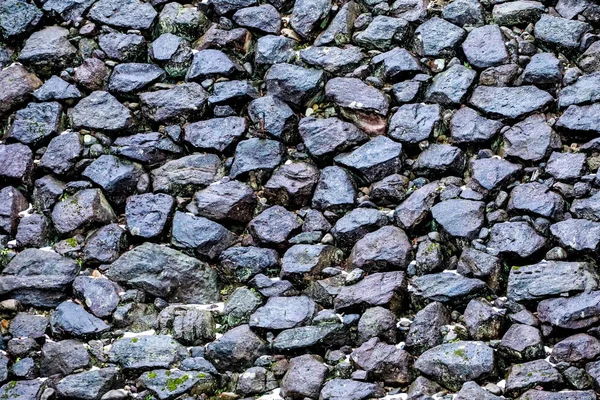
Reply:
x=304, y=377
x=236, y=349
x=492, y=173
x=227, y=201
x=383, y=362
x=243, y=263
x=165, y=272
x=522, y=343
x=293, y=84
x=438, y=159
x=530, y=374
x=453, y=364
x=509, y=102
x=460, y=218
x=100, y=295
x=329, y=136
x=275, y=117
x=451, y=86
x=387, y=248
x=577, y=234
x=71, y=319
x=447, y=287
x=176, y=104
x=576, y=312
x=531, y=139
x=131, y=14
x=18, y=84
x=303, y=262
x=211, y=63
x=36, y=122
x=291, y=185
x=117, y=177
x=549, y=279
x=468, y=126
x=379, y=289
x=273, y=226
x=145, y=352
x=133, y=77
x=560, y=32
x=484, y=47
x=374, y=160
x=307, y=16
x=255, y=155
x=413, y=123
x=101, y=111
x=81, y=211
x=538, y=199
x=205, y=237
x=184, y=175
x=437, y=38
x=48, y=49
x=413, y=211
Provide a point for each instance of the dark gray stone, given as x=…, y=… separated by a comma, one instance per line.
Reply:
x=81, y=211
x=274, y=226
x=374, y=160
x=304, y=377
x=536, y=198
x=484, y=47
x=447, y=287
x=468, y=126
x=413, y=123
x=379, y=289
x=275, y=117
x=293, y=84
x=165, y=272
x=71, y=319
x=577, y=234
x=255, y=155
x=307, y=16
x=550, y=279
x=62, y=153
x=531, y=139
x=291, y=185
x=133, y=77
x=326, y=137
x=522, y=343
x=226, y=201
x=132, y=14
x=146, y=352
x=176, y=104
x=184, y=175
x=560, y=32
x=438, y=38
x=459, y=218
x=237, y=349
x=211, y=63
x=243, y=263
x=387, y=248
x=36, y=122
x=205, y=237
x=101, y=111
x=509, y=102
x=100, y=295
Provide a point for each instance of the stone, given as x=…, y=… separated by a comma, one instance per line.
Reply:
x=471, y=390
x=147, y=148
x=123, y=47
x=273, y=226
x=87, y=385
x=56, y=89
x=130, y=14
x=303, y=262
x=186, y=22
x=274, y=116
x=62, y=153
x=560, y=32
x=450, y=87
x=304, y=377
x=577, y=234
x=446, y=287
x=283, y=313
x=100, y=295
x=202, y=134
x=484, y=47
x=101, y=111
x=475, y=263
x=117, y=177
x=254, y=155
x=355, y=224
x=536, y=198
x=383, y=362
x=413, y=123
x=83, y=210
x=271, y=49
x=211, y=63
x=165, y=272
x=91, y=74
x=18, y=17
x=579, y=348
x=437, y=38
x=48, y=49
x=565, y=166
x=378, y=289
x=522, y=343
x=413, y=211
x=582, y=91
x=587, y=208
x=226, y=201
x=105, y=244
x=439, y=159
x=339, y=30
x=227, y=6
x=71, y=319
x=176, y=104
x=377, y=322
x=338, y=389
x=517, y=12
x=293, y=84
x=328, y=136
x=575, y=312
x=63, y=357
x=146, y=351
x=460, y=218
x=509, y=102
x=531, y=139
x=36, y=122
x=383, y=33
x=307, y=16
x=18, y=84
x=533, y=373
x=243, y=263
x=543, y=69
x=333, y=59
x=16, y=162
x=184, y=175
x=291, y=185
x=374, y=160
x=236, y=349
x=493, y=173
x=205, y=237
x=464, y=13
x=468, y=126
x=385, y=249
x=580, y=119
x=396, y=64
x=188, y=324
x=264, y=18
x=547, y=279
x=453, y=364
x=482, y=320
x=133, y=77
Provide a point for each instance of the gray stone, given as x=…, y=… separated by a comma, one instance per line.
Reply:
x=226, y=201
x=413, y=123
x=383, y=33
x=205, y=237
x=531, y=139
x=176, y=104
x=484, y=47
x=560, y=32
x=536, y=198
x=132, y=14
x=101, y=111
x=467, y=126
x=328, y=136
x=459, y=218
x=509, y=102
x=307, y=16
x=374, y=160
x=81, y=211
x=577, y=234
x=293, y=84
x=165, y=272
x=145, y=352
x=379, y=289
x=438, y=38
x=184, y=175
x=71, y=319
x=453, y=364
x=446, y=287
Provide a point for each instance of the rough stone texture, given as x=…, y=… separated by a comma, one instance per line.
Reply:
x=304, y=199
